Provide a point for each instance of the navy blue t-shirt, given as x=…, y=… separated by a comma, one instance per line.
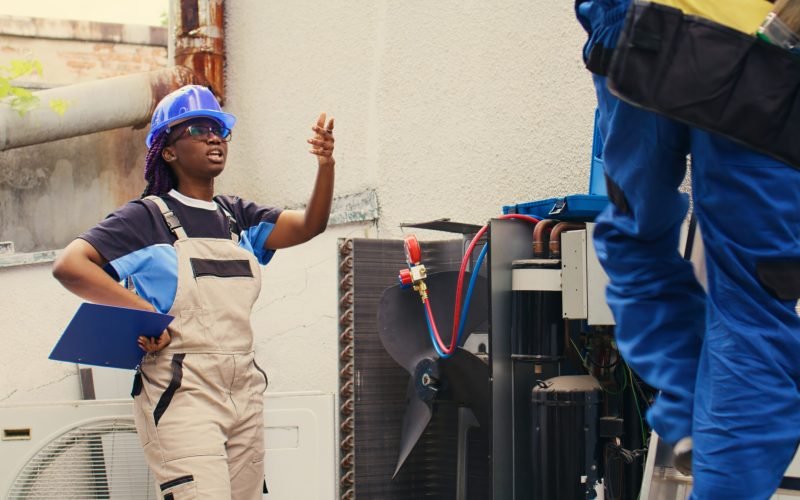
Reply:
x=137, y=243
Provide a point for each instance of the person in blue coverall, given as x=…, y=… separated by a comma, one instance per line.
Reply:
x=726, y=361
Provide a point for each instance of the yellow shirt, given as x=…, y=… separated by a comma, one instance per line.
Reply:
x=742, y=15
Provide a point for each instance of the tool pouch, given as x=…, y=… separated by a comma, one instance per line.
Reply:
x=710, y=76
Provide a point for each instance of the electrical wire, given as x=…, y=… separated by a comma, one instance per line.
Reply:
x=586, y=360
x=624, y=384
x=638, y=409
x=598, y=365
x=578, y=352
x=642, y=394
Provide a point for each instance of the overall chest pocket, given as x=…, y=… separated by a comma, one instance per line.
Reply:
x=230, y=285
x=215, y=268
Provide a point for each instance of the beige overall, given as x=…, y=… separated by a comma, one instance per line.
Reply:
x=198, y=404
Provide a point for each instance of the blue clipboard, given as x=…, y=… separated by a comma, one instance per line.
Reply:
x=106, y=336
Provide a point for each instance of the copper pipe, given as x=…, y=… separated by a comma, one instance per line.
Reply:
x=555, y=236
x=346, y=319
x=346, y=299
x=347, y=282
x=347, y=335
x=200, y=40
x=347, y=425
x=347, y=372
x=347, y=389
x=348, y=443
x=540, y=237
x=347, y=407
x=346, y=265
x=348, y=479
x=346, y=354
x=346, y=246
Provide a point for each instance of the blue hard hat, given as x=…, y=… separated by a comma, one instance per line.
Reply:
x=189, y=101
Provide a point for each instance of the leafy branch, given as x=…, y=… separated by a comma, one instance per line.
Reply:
x=20, y=99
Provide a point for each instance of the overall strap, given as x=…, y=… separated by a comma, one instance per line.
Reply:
x=233, y=226
x=169, y=217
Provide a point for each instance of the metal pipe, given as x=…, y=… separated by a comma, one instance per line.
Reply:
x=125, y=101
x=95, y=106
x=541, y=237
x=200, y=40
x=555, y=236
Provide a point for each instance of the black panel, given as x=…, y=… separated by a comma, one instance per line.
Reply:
x=479, y=478
x=430, y=471
x=445, y=225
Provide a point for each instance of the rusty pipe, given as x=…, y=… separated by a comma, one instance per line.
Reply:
x=540, y=237
x=123, y=101
x=199, y=40
x=555, y=236
x=198, y=52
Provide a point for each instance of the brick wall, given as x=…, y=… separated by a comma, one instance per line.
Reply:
x=78, y=51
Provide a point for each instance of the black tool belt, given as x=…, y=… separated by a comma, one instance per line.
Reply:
x=710, y=76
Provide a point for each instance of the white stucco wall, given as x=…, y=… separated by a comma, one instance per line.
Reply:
x=445, y=109
x=34, y=309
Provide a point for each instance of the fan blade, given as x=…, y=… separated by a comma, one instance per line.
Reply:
x=401, y=317
x=416, y=418
x=466, y=379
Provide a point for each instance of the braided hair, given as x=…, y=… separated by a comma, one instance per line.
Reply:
x=159, y=176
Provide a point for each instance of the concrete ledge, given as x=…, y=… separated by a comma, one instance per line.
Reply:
x=89, y=31
x=351, y=208
x=26, y=259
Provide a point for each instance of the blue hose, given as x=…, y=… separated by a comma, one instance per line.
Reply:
x=472, y=280
x=464, y=308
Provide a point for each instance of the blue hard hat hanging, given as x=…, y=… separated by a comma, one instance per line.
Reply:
x=190, y=101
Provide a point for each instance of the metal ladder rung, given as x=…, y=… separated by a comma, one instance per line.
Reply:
x=662, y=482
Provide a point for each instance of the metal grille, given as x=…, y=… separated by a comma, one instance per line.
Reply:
x=95, y=461
x=346, y=438
x=373, y=387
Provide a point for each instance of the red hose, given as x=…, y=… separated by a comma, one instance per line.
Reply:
x=460, y=284
x=436, y=335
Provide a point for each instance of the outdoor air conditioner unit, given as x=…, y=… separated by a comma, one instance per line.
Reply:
x=89, y=449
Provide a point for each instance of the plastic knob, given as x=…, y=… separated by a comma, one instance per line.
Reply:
x=405, y=278
x=413, y=250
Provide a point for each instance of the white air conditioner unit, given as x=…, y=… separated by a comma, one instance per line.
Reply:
x=89, y=449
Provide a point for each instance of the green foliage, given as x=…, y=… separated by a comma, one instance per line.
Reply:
x=22, y=100
x=18, y=68
x=59, y=106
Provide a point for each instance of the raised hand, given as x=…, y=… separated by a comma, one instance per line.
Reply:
x=322, y=142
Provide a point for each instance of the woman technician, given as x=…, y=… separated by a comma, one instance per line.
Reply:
x=198, y=401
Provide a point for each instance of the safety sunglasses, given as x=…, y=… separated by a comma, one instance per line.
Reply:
x=201, y=133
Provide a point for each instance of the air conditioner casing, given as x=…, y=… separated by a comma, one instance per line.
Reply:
x=298, y=434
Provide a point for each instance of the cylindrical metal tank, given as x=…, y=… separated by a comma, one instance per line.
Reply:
x=537, y=326
x=564, y=444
